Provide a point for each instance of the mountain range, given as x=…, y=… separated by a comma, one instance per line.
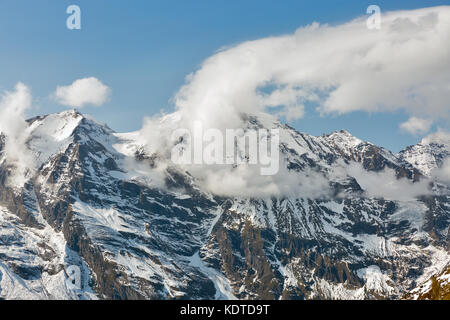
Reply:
x=136, y=226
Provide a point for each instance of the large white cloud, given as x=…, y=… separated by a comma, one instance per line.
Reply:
x=344, y=68
x=82, y=92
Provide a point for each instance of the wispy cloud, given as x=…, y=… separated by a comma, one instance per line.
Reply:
x=13, y=106
x=442, y=174
x=416, y=125
x=385, y=184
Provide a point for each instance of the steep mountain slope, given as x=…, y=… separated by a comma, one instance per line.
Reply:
x=139, y=227
x=35, y=263
x=436, y=288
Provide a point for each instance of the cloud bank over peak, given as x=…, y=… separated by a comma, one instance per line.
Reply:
x=344, y=68
x=404, y=66
x=440, y=137
x=82, y=92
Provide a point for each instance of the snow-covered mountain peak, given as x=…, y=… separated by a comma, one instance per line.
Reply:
x=51, y=134
x=58, y=125
x=344, y=139
x=430, y=154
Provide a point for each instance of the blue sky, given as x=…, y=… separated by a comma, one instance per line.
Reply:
x=144, y=49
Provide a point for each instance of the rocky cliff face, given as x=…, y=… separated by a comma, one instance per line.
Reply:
x=436, y=288
x=136, y=229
